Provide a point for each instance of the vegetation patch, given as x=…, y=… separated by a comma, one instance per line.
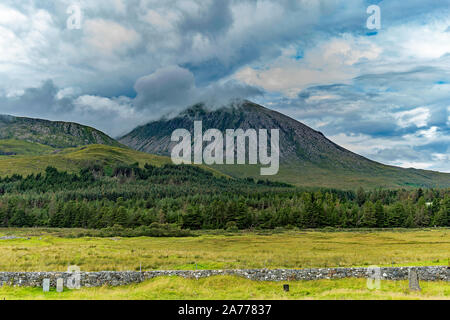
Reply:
x=235, y=288
x=54, y=249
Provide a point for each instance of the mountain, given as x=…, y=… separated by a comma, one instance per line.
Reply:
x=45, y=133
x=307, y=157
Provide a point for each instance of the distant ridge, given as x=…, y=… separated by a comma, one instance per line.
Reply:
x=56, y=134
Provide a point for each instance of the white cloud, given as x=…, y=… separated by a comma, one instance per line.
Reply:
x=329, y=62
x=121, y=106
x=11, y=18
x=110, y=37
x=412, y=164
x=448, y=118
x=418, y=117
x=164, y=21
x=409, y=150
x=427, y=133
x=429, y=41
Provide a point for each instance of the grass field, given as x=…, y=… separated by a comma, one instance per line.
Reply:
x=234, y=288
x=52, y=250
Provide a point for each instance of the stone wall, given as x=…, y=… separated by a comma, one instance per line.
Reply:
x=96, y=279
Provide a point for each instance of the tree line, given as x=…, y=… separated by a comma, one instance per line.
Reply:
x=188, y=197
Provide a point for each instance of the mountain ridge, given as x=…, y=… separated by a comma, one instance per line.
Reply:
x=56, y=134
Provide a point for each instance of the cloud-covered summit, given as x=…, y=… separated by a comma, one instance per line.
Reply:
x=383, y=93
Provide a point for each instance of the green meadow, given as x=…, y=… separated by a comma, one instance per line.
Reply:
x=234, y=288
x=37, y=249
x=55, y=249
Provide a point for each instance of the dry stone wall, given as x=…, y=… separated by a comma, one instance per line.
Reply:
x=113, y=278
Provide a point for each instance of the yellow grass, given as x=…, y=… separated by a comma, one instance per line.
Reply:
x=45, y=251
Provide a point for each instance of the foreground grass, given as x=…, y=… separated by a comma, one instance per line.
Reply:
x=49, y=250
x=235, y=288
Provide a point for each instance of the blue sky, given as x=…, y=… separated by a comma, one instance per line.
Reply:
x=383, y=94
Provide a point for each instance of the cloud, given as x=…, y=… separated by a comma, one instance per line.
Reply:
x=115, y=116
x=110, y=37
x=377, y=113
x=135, y=60
x=170, y=85
x=418, y=117
x=426, y=149
x=36, y=101
x=329, y=62
x=208, y=17
x=11, y=17
x=170, y=90
x=166, y=92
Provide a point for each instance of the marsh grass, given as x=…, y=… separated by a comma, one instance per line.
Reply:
x=52, y=250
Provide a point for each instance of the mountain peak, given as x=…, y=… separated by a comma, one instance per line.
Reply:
x=306, y=155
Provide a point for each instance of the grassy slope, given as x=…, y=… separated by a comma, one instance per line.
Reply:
x=234, y=288
x=20, y=147
x=72, y=159
x=34, y=157
x=381, y=176
x=57, y=134
x=45, y=251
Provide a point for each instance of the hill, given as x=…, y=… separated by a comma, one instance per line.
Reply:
x=55, y=134
x=74, y=159
x=307, y=157
x=12, y=147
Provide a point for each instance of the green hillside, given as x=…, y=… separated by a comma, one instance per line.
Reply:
x=379, y=176
x=56, y=134
x=73, y=159
x=12, y=147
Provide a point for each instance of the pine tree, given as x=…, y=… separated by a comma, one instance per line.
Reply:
x=121, y=217
x=368, y=218
x=379, y=214
x=360, y=196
